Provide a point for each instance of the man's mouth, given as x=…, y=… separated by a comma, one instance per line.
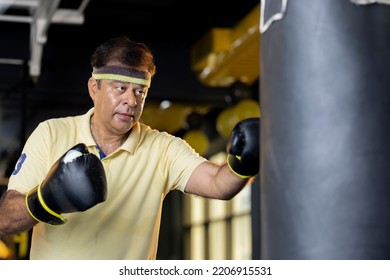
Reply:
x=125, y=116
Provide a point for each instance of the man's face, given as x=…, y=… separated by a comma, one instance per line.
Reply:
x=118, y=105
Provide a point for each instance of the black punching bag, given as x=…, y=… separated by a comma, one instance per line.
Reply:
x=325, y=134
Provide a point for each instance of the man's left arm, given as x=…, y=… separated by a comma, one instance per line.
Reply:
x=242, y=164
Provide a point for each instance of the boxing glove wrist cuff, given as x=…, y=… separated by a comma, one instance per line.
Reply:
x=39, y=210
x=234, y=165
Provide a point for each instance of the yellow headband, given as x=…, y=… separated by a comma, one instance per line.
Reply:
x=123, y=74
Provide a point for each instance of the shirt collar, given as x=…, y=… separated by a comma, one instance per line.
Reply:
x=85, y=135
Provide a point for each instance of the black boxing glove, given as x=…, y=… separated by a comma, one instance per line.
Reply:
x=75, y=182
x=243, y=146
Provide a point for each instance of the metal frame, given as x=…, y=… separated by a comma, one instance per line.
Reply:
x=41, y=13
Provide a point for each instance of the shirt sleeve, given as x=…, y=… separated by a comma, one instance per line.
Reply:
x=182, y=162
x=32, y=166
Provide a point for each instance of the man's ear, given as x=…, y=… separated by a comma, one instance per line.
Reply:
x=92, y=87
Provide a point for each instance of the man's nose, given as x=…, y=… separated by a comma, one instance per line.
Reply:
x=129, y=98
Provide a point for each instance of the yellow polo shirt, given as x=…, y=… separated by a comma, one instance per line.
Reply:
x=139, y=175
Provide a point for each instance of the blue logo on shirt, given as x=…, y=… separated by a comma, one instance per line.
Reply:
x=19, y=164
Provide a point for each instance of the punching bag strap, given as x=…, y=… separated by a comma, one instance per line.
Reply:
x=275, y=17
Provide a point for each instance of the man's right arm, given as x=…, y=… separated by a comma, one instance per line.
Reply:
x=14, y=216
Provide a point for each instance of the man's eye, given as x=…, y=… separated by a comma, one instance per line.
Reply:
x=120, y=89
x=140, y=93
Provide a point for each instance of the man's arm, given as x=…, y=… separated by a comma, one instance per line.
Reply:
x=225, y=181
x=214, y=181
x=14, y=217
x=76, y=182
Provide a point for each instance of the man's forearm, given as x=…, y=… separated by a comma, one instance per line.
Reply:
x=14, y=217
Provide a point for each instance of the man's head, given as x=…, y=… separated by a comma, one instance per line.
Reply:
x=122, y=51
x=122, y=73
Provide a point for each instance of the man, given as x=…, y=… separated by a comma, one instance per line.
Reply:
x=110, y=208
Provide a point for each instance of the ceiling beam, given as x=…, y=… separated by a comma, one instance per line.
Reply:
x=40, y=15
